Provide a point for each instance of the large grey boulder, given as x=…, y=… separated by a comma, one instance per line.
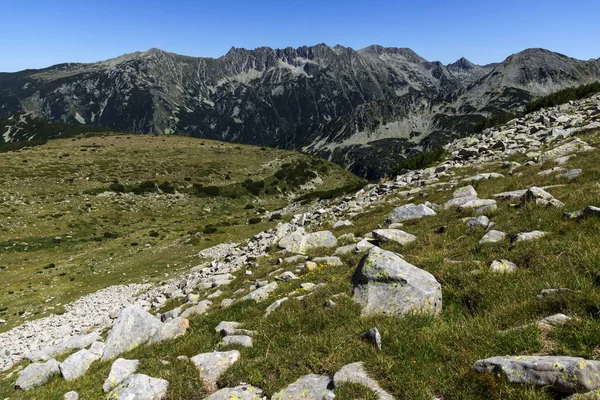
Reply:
x=356, y=373
x=74, y=343
x=299, y=242
x=242, y=392
x=563, y=374
x=394, y=235
x=133, y=327
x=239, y=340
x=307, y=387
x=37, y=374
x=261, y=293
x=527, y=236
x=77, y=364
x=408, y=212
x=211, y=366
x=140, y=387
x=477, y=203
x=119, y=371
x=589, y=211
x=384, y=283
x=170, y=330
x=465, y=191
x=227, y=325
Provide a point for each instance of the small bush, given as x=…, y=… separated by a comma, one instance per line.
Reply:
x=166, y=187
x=117, y=187
x=208, y=229
x=254, y=220
x=249, y=207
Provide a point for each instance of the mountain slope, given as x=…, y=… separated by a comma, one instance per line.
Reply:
x=315, y=98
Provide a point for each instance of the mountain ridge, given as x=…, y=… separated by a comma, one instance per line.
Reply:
x=295, y=98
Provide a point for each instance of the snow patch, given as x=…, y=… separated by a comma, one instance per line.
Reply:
x=79, y=118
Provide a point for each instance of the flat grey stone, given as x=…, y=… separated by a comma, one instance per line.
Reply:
x=72, y=395
x=211, y=366
x=493, y=236
x=480, y=221
x=384, y=283
x=356, y=373
x=227, y=325
x=526, y=236
x=236, y=331
x=394, y=235
x=275, y=305
x=287, y=276
x=299, y=242
x=97, y=348
x=174, y=313
x=37, y=374
x=198, y=309
x=261, y=293
x=504, y=266
x=140, y=387
x=342, y=224
x=477, y=203
x=363, y=245
x=133, y=327
x=409, y=212
x=307, y=387
x=563, y=374
x=240, y=340
x=77, y=364
x=465, y=191
x=121, y=369
x=348, y=249
x=242, y=392
x=555, y=320
x=551, y=292
x=589, y=211
x=170, y=330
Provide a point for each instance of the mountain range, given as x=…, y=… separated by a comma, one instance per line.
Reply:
x=363, y=109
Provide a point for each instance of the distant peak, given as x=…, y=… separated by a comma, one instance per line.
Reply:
x=463, y=64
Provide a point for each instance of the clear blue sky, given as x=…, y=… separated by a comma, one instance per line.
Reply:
x=40, y=33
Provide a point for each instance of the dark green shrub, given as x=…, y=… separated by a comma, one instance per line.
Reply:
x=254, y=187
x=166, y=187
x=276, y=217
x=117, y=187
x=208, y=229
x=249, y=207
x=254, y=220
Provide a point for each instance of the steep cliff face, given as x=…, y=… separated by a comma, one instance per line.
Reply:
x=334, y=101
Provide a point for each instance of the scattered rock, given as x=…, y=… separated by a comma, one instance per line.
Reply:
x=133, y=327
x=170, y=330
x=140, y=387
x=77, y=364
x=410, y=211
x=331, y=261
x=227, y=325
x=493, y=236
x=394, y=235
x=198, y=309
x=372, y=336
x=211, y=366
x=121, y=369
x=563, y=374
x=275, y=305
x=37, y=374
x=555, y=320
x=72, y=395
x=526, y=236
x=551, y=292
x=503, y=266
x=261, y=293
x=240, y=340
x=356, y=373
x=242, y=392
x=342, y=224
x=589, y=211
x=307, y=387
x=384, y=283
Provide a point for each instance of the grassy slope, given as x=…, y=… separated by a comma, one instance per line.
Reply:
x=483, y=315
x=44, y=196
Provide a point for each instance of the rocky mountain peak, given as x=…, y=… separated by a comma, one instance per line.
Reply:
x=404, y=52
x=462, y=64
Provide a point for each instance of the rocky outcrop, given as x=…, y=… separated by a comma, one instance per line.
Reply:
x=308, y=387
x=140, y=387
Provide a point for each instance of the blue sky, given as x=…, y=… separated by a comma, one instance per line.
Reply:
x=36, y=33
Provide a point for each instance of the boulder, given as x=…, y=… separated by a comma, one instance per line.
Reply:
x=37, y=374
x=77, y=364
x=356, y=373
x=384, y=283
x=227, y=325
x=526, y=236
x=589, y=211
x=409, y=212
x=133, y=327
x=197, y=309
x=307, y=387
x=465, y=191
x=211, y=366
x=394, y=235
x=563, y=374
x=120, y=370
x=503, y=266
x=332, y=261
x=140, y=387
x=242, y=392
x=261, y=293
x=275, y=305
x=72, y=395
x=555, y=320
x=342, y=224
x=477, y=203
x=373, y=336
x=298, y=242
x=239, y=340
x=493, y=236
x=480, y=221
x=170, y=330
x=97, y=348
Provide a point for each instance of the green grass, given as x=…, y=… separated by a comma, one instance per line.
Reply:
x=57, y=192
x=483, y=314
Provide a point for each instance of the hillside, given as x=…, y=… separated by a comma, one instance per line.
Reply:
x=82, y=214
x=483, y=284
x=363, y=109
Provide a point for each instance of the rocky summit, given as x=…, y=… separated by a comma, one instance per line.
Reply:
x=363, y=109
x=474, y=278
